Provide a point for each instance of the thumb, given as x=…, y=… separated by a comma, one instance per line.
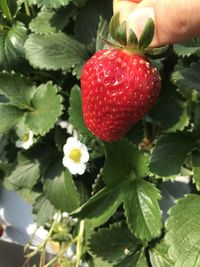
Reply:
x=175, y=20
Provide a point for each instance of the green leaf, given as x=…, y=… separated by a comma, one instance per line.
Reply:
x=60, y=138
x=170, y=152
x=142, y=210
x=137, y=259
x=171, y=115
x=182, y=235
x=123, y=161
x=147, y=34
x=188, y=77
x=75, y=111
x=140, y=202
x=197, y=118
x=186, y=49
x=43, y=210
x=61, y=190
x=28, y=195
x=100, y=207
x=10, y=116
x=111, y=244
x=46, y=109
x=54, y=52
x=88, y=22
x=97, y=262
x=170, y=112
x=183, y=121
x=51, y=4
x=171, y=190
x=50, y=21
x=136, y=133
x=196, y=168
x=25, y=174
x=12, y=45
x=102, y=32
x=159, y=256
x=17, y=89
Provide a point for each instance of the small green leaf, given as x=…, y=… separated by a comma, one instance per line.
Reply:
x=55, y=51
x=137, y=259
x=75, y=111
x=97, y=262
x=50, y=21
x=10, y=116
x=28, y=195
x=159, y=256
x=189, y=48
x=188, y=77
x=89, y=20
x=147, y=34
x=12, y=45
x=123, y=161
x=111, y=244
x=140, y=202
x=114, y=24
x=142, y=209
x=51, y=4
x=120, y=34
x=136, y=133
x=60, y=189
x=171, y=114
x=102, y=32
x=25, y=174
x=46, y=109
x=100, y=207
x=60, y=138
x=182, y=235
x=170, y=152
x=17, y=89
x=197, y=118
x=43, y=210
x=196, y=168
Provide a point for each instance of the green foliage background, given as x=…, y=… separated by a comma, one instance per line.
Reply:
x=136, y=214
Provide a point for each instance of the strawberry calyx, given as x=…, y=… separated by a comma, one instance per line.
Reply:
x=128, y=40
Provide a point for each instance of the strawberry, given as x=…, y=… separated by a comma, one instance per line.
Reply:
x=118, y=88
x=119, y=85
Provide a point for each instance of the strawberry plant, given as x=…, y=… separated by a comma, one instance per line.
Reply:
x=99, y=163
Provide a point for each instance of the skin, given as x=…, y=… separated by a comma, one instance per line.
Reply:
x=175, y=20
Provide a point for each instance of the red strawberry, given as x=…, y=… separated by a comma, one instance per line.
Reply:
x=118, y=88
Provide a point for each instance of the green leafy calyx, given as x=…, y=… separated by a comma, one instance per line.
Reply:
x=127, y=39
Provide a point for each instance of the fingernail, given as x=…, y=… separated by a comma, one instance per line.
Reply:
x=138, y=18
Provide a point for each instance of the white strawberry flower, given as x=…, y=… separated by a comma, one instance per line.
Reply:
x=75, y=156
x=25, y=139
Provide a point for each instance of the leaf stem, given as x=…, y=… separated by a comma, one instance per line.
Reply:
x=44, y=243
x=27, y=10
x=6, y=10
x=62, y=251
x=80, y=242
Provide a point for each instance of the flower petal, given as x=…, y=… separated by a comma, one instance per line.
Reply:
x=84, y=154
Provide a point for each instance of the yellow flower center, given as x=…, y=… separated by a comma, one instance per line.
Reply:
x=75, y=155
x=25, y=137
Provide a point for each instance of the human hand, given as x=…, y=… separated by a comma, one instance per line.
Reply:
x=175, y=20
